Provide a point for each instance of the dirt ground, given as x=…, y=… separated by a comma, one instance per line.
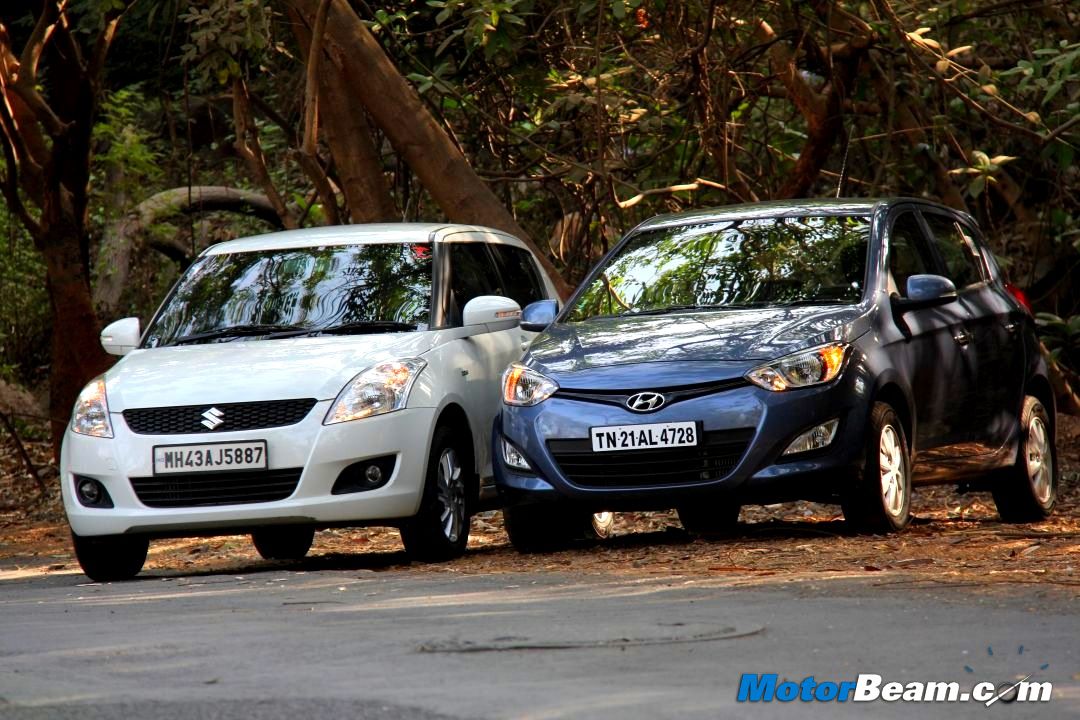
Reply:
x=955, y=540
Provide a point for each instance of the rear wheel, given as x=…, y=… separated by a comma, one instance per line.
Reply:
x=1027, y=491
x=879, y=500
x=288, y=542
x=440, y=531
x=111, y=557
x=536, y=528
x=710, y=518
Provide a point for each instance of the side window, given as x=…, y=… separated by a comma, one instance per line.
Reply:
x=472, y=273
x=958, y=251
x=908, y=252
x=523, y=285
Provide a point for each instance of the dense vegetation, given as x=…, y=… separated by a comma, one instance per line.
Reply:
x=136, y=133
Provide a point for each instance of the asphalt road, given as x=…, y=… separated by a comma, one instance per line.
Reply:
x=361, y=644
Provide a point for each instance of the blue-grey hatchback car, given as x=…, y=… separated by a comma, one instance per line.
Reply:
x=837, y=351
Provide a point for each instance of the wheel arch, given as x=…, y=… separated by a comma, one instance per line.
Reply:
x=453, y=416
x=900, y=401
x=1038, y=386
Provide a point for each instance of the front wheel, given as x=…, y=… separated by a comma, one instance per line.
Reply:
x=879, y=500
x=440, y=531
x=111, y=557
x=540, y=527
x=290, y=542
x=1027, y=491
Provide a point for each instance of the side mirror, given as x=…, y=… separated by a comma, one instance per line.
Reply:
x=121, y=337
x=926, y=291
x=488, y=309
x=538, y=315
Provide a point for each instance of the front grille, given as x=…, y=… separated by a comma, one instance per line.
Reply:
x=188, y=419
x=712, y=460
x=671, y=395
x=201, y=489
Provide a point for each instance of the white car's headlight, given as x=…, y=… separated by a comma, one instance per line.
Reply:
x=380, y=389
x=91, y=414
x=523, y=387
x=803, y=369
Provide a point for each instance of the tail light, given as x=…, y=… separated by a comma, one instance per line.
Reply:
x=1020, y=297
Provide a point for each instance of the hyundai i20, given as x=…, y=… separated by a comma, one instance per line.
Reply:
x=836, y=351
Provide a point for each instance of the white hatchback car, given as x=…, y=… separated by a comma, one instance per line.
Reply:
x=327, y=377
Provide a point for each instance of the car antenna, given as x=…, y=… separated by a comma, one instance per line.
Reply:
x=843, y=166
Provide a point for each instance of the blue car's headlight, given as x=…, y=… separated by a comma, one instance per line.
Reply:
x=803, y=369
x=523, y=387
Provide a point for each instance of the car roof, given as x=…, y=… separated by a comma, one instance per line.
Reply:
x=365, y=234
x=781, y=208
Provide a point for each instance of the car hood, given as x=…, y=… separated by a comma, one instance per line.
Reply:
x=729, y=338
x=242, y=371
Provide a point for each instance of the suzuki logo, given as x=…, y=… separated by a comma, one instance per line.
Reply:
x=645, y=402
x=212, y=418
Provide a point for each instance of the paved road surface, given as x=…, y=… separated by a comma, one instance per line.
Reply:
x=358, y=644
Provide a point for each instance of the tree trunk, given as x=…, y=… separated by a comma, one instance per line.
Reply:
x=112, y=268
x=77, y=354
x=417, y=137
x=348, y=135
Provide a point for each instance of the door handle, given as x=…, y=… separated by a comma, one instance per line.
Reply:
x=962, y=337
x=1012, y=326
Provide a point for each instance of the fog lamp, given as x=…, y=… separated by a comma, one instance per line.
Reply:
x=815, y=438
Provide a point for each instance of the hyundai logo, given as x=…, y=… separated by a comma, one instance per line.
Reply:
x=213, y=418
x=645, y=402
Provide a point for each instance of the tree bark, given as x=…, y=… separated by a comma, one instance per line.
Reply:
x=348, y=135
x=413, y=131
x=113, y=264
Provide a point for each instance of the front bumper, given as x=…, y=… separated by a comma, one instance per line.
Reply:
x=322, y=451
x=761, y=474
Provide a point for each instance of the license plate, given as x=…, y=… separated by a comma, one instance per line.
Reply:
x=643, y=437
x=210, y=457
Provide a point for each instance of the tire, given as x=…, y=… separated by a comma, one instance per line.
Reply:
x=879, y=499
x=440, y=530
x=107, y=558
x=287, y=542
x=710, y=518
x=1027, y=491
x=550, y=526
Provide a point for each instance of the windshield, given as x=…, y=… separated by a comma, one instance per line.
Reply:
x=767, y=262
x=283, y=293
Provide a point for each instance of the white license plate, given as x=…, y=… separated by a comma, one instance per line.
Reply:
x=210, y=457
x=643, y=437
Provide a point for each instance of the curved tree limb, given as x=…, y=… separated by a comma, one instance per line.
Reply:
x=113, y=266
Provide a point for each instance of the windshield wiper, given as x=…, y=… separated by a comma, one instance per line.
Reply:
x=235, y=331
x=810, y=301
x=364, y=326
x=684, y=308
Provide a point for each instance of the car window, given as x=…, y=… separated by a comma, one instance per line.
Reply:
x=742, y=263
x=909, y=253
x=519, y=274
x=958, y=250
x=301, y=288
x=472, y=273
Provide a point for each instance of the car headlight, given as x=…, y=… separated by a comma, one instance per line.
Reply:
x=380, y=389
x=803, y=369
x=523, y=387
x=91, y=414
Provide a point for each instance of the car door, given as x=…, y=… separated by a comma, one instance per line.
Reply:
x=482, y=355
x=522, y=281
x=931, y=354
x=993, y=350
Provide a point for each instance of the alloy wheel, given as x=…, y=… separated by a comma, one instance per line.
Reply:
x=451, y=495
x=893, y=479
x=1040, y=460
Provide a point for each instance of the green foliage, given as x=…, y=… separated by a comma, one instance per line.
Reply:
x=24, y=306
x=1062, y=337
x=225, y=36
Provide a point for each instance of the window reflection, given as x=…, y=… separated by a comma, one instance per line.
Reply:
x=756, y=262
x=306, y=287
